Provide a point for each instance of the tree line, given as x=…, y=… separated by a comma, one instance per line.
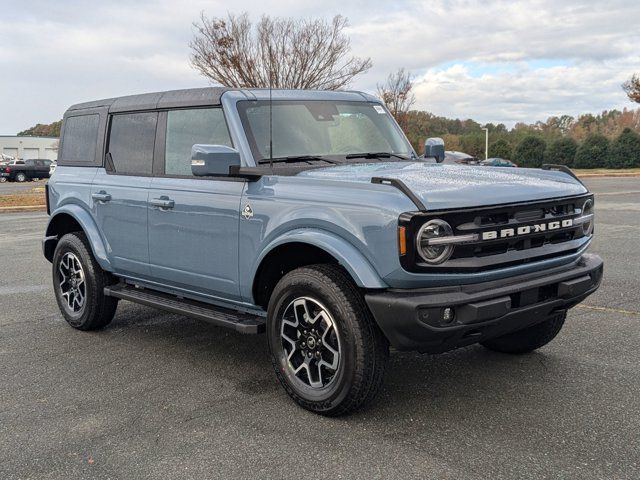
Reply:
x=606, y=140
x=43, y=130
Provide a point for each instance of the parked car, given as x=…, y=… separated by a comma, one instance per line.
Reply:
x=497, y=162
x=52, y=168
x=460, y=158
x=309, y=218
x=24, y=170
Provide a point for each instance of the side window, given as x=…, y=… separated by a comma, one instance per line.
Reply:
x=131, y=140
x=186, y=128
x=80, y=137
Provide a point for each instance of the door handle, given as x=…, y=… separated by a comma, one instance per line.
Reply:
x=162, y=202
x=101, y=196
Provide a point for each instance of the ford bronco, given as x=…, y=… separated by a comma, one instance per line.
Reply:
x=308, y=216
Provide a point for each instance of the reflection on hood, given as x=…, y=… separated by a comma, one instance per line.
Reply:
x=456, y=186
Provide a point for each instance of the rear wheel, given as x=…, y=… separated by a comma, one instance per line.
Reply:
x=529, y=339
x=79, y=282
x=326, y=349
x=21, y=177
x=3, y=179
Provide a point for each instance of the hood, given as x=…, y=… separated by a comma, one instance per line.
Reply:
x=458, y=186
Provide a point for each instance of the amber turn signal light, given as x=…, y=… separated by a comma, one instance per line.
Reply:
x=402, y=240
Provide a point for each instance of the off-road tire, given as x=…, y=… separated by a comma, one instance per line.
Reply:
x=99, y=309
x=364, y=349
x=529, y=339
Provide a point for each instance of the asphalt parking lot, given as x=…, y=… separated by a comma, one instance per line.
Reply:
x=162, y=396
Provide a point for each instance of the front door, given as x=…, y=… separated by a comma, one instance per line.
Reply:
x=121, y=190
x=193, y=222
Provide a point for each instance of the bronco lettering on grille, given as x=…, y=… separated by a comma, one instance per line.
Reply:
x=527, y=229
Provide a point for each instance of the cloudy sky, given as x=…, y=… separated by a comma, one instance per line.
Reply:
x=493, y=61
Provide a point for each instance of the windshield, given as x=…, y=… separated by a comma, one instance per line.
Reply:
x=321, y=128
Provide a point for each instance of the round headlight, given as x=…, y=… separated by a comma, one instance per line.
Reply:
x=587, y=209
x=434, y=253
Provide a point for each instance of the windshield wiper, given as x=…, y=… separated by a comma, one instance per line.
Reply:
x=376, y=155
x=296, y=158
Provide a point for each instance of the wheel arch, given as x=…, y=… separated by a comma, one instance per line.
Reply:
x=307, y=247
x=73, y=218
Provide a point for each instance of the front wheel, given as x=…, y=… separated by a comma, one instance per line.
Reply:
x=528, y=339
x=21, y=177
x=326, y=349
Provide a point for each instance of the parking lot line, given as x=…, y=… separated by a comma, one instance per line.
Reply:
x=607, y=309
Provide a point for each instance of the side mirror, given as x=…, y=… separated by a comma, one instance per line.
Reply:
x=213, y=160
x=434, y=148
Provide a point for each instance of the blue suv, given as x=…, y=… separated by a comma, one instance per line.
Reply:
x=308, y=216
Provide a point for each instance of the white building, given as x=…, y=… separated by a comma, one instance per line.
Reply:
x=25, y=148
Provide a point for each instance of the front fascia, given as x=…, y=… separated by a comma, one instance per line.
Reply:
x=400, y=278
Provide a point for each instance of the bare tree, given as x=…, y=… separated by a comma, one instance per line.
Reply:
x=281, y=52
x=632, y=88
x=396, y=92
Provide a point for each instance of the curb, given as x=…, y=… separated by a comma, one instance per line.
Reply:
x=28, y=208
x=600, y=175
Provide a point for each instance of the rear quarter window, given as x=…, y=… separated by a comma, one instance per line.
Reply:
x=79, y=139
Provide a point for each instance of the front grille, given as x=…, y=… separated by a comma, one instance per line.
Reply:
x=515, y=217
x=518, y=246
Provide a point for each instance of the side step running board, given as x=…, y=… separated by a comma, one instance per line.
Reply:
x=222, y=317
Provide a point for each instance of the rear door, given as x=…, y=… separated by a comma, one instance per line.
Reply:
x=121, y=189
x=29, y=168
x=193, y=222
x=41, y=169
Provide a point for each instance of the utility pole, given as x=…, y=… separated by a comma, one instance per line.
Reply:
x=486, y=143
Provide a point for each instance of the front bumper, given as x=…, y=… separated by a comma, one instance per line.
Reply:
x=414, y=319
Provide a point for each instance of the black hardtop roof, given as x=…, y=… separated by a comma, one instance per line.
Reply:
x=208, y=96
x=150, y=101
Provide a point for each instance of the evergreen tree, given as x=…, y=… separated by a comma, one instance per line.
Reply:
x=500, y=149
x=530, y=152
x=561, y=151
x=625, y=150
x=593, y=153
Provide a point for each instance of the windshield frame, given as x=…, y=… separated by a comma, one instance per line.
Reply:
x=243, y=105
